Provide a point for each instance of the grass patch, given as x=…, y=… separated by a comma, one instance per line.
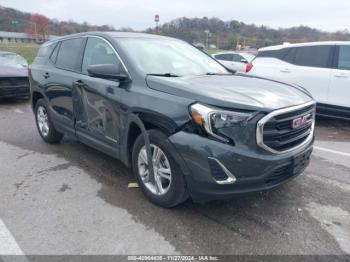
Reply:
x=28, y=51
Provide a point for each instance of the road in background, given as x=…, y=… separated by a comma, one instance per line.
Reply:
x=71, y=199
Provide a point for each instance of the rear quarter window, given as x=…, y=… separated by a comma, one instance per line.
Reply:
x=54, y=54
x=46, y=50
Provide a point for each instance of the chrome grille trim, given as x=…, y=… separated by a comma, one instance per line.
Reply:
x=265, y=119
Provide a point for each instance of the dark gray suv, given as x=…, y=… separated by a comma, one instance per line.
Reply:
x=186, y=125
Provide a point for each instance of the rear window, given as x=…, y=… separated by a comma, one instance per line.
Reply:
x=237, y=58
x=70, y=54
x=313, y=56
x=225, y=57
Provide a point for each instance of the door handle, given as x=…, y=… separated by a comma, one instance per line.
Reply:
x=46, y=75
x=110, y=90
x=285, y=71
x=341, y=76
x=78, y=83
x=81, y=124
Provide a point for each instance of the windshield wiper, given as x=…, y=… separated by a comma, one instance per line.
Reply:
x=164, y=75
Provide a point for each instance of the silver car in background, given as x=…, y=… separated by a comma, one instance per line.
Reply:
x=234, y=61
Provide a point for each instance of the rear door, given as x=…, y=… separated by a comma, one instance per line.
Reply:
x=309, y=67
x=97, y=101
x=339, y=91
x=67, y=58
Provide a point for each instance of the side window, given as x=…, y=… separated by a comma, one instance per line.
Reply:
x=225, y=57
x=313, y=56
x=344, y=58
x=279, y=54
x=237, y=58
x=69, y=55
x=97, y=52
x=269, y=53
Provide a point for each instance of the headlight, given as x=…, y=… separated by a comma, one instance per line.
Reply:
x=212, y=119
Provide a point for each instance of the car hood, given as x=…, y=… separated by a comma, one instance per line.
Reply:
x=232, y=91
x=6, y=71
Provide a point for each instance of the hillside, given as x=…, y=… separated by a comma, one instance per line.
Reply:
x=227, y=35
x=17, y=21
x=223, y=34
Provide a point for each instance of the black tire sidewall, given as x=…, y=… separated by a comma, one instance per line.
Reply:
x=177, y=192
x=53, y=136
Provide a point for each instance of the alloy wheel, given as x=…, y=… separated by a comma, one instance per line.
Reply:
x=160, y=183
x=43, y=121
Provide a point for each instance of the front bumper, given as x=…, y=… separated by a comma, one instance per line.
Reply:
x=254, y=170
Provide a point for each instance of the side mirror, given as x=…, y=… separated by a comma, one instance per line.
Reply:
x=244, y=61
x=106, y=71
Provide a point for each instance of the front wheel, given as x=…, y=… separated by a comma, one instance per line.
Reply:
x=44, y=123
x=167, y=187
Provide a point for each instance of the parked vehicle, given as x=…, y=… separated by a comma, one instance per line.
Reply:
x=323, y=68
x=14, y=81
x=199, y=46
x=213, y=134
x=234, y=61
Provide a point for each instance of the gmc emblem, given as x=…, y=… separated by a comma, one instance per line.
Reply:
x=302, y=121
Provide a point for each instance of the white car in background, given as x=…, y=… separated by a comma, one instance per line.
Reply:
x=322, y=68
x=234, y=60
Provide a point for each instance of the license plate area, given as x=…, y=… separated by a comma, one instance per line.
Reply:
x=301, y=161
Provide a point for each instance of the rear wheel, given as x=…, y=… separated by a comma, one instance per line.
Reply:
x=167, y=187
x=44, y=123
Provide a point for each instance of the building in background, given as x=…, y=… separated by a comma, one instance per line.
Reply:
x=14, y=37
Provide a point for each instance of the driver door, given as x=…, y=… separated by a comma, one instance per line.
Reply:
x=96, y=101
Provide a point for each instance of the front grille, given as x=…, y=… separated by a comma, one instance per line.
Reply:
x=14, y=81
x=12, y=86
x=280, y=134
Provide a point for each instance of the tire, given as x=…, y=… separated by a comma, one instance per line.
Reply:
x=176, y=192
x=49, y=133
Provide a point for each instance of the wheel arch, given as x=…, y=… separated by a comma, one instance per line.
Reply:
x=36, y=95
x=133, y=128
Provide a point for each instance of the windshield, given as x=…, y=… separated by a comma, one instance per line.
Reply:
x=169, y=57
x=13, y=60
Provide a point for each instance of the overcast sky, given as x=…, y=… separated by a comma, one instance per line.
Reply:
x=327, y=15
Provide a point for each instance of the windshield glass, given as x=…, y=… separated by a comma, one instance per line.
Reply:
x=167, y=56
x=13, y=60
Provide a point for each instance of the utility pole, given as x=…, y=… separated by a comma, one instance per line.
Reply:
x=207, y=39
x=35, y=32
